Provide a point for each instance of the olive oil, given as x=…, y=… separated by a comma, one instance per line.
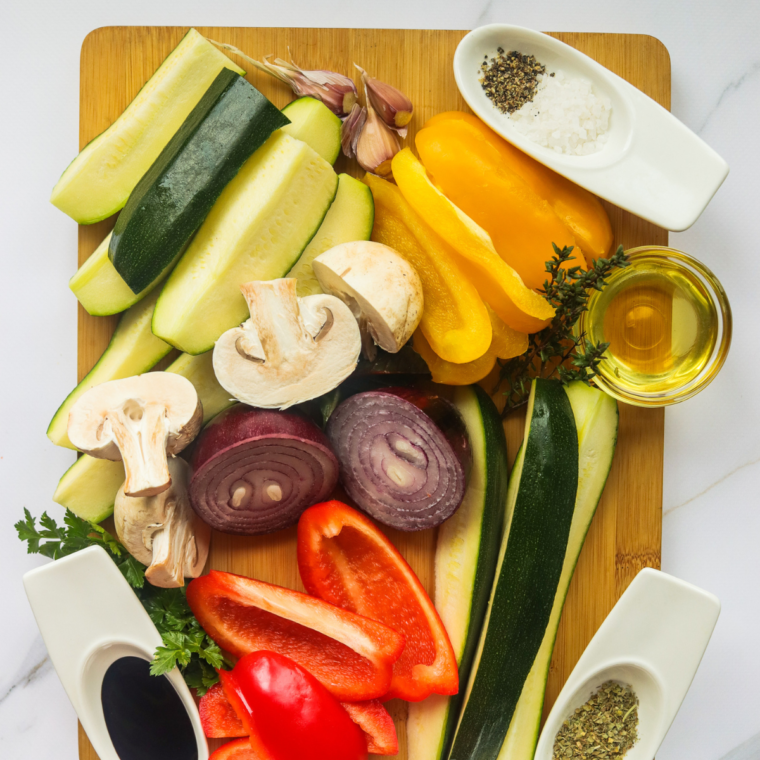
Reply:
x=661, y=323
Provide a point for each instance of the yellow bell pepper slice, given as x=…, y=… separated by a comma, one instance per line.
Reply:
x=498, y=284
x=580, y=210
x=470, y=172
x=455, y=321
x=505, y=344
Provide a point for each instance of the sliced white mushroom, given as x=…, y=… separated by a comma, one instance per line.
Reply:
x=163, y=532
x=290, y=350
x=382, y=289
x=138, y=419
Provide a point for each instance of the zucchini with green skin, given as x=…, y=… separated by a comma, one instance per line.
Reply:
x=133, y=349
x=199, y=370
x=465, y=562
x=350, y=218
x=101, y=289
x=172, y=199
x=99, y=180
x=256, y=231
x=596, y=420
x=88, y=488
x=314, y=123
x=540, y=505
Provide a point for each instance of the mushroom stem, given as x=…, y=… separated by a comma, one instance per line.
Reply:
x=163, y=532
x=141, y=432
x=275, y=312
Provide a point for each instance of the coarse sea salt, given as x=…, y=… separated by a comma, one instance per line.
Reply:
x=565, y=115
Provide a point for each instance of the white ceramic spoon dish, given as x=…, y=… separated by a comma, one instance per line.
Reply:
x=653, y=641
x=89, y=618
x=652, y=165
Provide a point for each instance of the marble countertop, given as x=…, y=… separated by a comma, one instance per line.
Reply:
x=712, y=443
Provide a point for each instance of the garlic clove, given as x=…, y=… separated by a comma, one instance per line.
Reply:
x=336, y=91
x=394, y=107
x=351, y=129
x=377, y=145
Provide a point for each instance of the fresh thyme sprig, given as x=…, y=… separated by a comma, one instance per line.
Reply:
x=185, y=643
x=567, y=289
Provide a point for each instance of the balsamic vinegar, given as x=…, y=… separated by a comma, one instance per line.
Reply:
x=144, y=715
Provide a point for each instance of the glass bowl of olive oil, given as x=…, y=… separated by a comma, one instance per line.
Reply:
x=668, y=324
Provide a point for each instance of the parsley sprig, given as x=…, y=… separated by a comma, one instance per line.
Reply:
x=185, y=644
x=556, y=350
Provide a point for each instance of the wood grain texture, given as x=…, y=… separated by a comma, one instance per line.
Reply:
x=626, y=533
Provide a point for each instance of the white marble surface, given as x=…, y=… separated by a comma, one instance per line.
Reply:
x=712, y=455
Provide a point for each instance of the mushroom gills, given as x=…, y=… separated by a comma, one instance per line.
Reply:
x=291, y=349
x=140, y=420
x=163, y=532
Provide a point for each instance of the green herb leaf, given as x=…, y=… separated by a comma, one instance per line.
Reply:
x=556, y=350
x=185, y=644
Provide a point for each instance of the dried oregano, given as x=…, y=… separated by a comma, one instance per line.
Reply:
x=605, y=727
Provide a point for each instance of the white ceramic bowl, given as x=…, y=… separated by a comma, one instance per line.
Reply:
x=652, y=165
x=652, y=641
x=89, y=617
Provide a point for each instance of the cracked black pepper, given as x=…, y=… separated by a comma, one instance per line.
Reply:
x=510, y=79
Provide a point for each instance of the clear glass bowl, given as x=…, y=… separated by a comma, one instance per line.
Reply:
x=712, y=289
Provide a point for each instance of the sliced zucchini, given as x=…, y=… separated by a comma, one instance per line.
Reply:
x=256, y=231
x=314, y=123
x=199, y=371
x=465, y=562
x=350, y=217
x=99, y=180
x=540, y=504
x=88, y=488
x=102, y=291
x=133, y=349
x=100, y=288
x=174, y=196
x=596, y=420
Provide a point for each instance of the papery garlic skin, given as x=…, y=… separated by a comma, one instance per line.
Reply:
x=377, y=145
x=351, y=130
x=336, y=91
x=394, y=108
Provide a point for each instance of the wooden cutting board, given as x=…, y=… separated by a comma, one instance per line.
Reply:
x=626, y=533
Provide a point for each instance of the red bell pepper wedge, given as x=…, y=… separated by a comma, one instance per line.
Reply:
x=290, y=713
x=345, y=560
x=377, y=725
x=351, y=655
x=218, y=718
x=220, y=721
x=240, y=749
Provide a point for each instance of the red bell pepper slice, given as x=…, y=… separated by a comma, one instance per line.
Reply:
x=220, y=721
x=345, y=560
x=351, y=655
x=290, y=713
x=218, y=718
x=240, y=749
x=377, y=724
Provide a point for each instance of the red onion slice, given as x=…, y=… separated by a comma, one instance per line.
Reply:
x=255, y=470
x=405, y=467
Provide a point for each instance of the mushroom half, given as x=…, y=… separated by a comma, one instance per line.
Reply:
x=290, y=350
x=382, y=289
x=139, y=419
x=163, y=531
